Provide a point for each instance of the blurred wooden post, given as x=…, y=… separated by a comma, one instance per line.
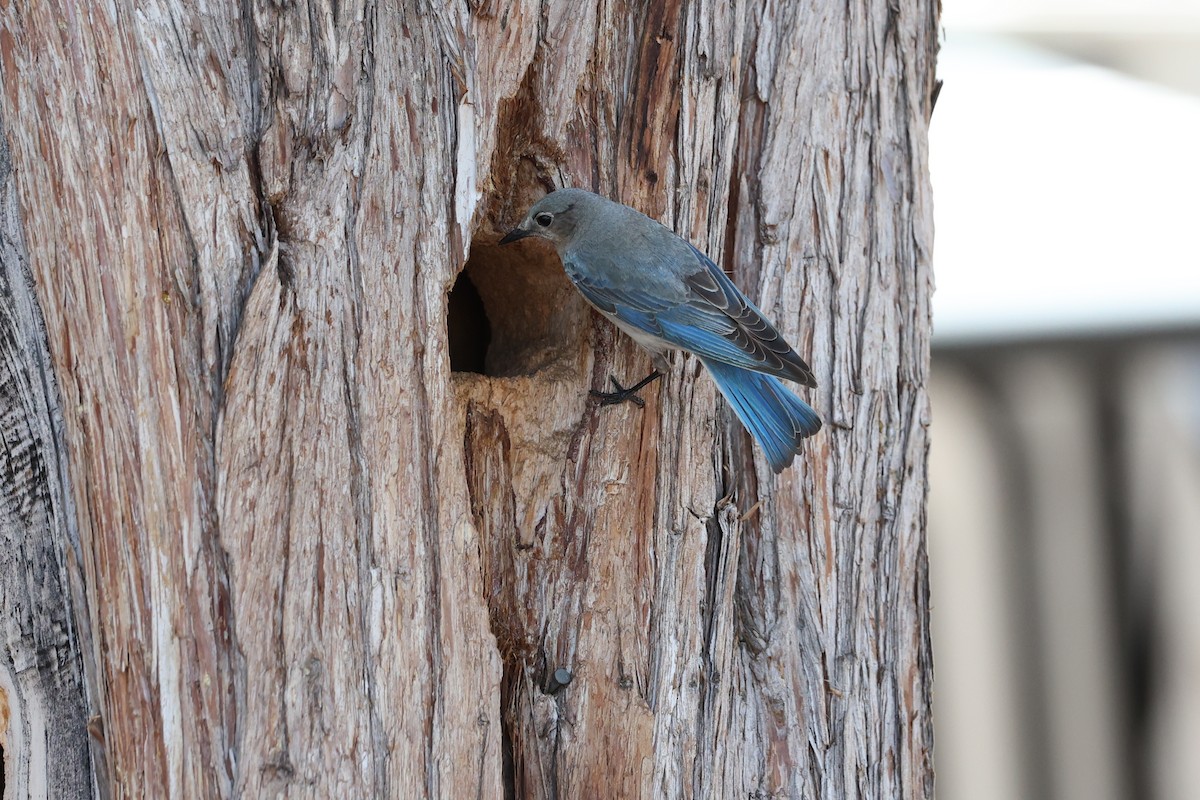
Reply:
x=321, y=549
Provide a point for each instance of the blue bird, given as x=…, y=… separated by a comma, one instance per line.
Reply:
x=668, y=295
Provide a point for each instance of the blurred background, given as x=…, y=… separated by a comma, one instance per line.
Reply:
x=1064, y=528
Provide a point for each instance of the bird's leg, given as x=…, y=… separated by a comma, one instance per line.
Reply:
x=622, y=394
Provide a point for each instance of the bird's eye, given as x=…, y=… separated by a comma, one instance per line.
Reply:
x=544, y=219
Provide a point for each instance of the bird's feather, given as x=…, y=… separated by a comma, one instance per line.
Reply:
x=705, y=314
x=777, y=419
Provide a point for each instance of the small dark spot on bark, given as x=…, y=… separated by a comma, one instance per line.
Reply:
x=559, y=679
x=279, y=766
x=287, y=277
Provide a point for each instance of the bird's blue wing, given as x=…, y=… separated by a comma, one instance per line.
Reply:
x=719, y=308
x=637, y=309
x=705, y=314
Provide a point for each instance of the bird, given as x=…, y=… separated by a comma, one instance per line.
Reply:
x=667, y=295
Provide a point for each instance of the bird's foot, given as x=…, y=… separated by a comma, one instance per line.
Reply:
x=622, y=394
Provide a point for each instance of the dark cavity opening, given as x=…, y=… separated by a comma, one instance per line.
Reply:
x=467, y=326
x=513, y=312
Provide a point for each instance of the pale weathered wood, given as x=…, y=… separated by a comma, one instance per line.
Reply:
x=43, y=711
x=318, y=562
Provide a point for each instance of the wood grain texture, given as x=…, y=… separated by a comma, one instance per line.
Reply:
x=319, y=563
x=43, y=706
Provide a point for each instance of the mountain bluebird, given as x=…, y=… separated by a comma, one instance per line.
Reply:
x=668, y=295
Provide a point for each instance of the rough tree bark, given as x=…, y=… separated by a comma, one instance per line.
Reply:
x=43, y=709
x=313, y=524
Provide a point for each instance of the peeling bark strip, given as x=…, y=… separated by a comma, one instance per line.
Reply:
x=314, y=560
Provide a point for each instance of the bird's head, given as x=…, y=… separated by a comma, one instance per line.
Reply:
x=556, y=217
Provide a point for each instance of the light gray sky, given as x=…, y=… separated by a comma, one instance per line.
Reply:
x=1067, y=195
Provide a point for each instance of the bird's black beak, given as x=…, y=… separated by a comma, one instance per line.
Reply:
x=514, y=235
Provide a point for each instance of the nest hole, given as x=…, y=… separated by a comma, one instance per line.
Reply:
x=513, y=312
x=467, y=327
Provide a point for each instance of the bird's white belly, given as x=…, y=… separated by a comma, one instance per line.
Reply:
x=657, y=347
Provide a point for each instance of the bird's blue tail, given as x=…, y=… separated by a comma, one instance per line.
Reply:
x=775, y=417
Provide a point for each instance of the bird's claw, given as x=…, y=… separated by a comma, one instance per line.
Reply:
x=622, y=395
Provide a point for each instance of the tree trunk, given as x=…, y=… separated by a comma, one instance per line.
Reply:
x=341, y=519
x=43, y=708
